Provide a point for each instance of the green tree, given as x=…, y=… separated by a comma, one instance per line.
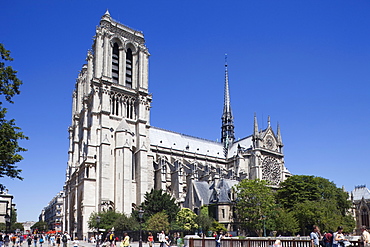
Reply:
x=204, y=220
x=17, y=226
x=40, y=226
x=157, y=201
x=285, y=222
x=254, y=205
x=10, y=134
x=300, y=188
x=107, y=220
x=125, y=223
x=186, y=219
x=217, y=227
x=2, y=227
x=158, y=222
x=315, y=201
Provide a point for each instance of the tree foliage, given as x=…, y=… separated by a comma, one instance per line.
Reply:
x=204, y=220
x=10, y=134
x=107, y=220
x=40, y=226
x=125, y=223
x=255, y=204
x=300, y=188
x=158, y=222
x=186, y=219
x=157, y=201
x=285, y=222
x=315, y=201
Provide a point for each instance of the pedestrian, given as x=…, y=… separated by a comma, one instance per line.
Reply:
x=35, y=239
x=315, y=236
x=338, y=237
x=29, y=241
x=218, y=238
x=328, y=239
x=162, y=239
x=277, y=243
x=41, y=240
x=75, y=242
x=365, y=236
x=125, y=241
x=64, y=239
x=150, y=239
x=57, y=240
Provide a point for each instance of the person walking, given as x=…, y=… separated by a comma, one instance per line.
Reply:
x=125, y=241
x=162, y=239
x=150, y=239
x=57, y=240
x=365, y=236
x=338, y=237
x=29, y=241
x=315, y=236
x=65, y=239
x=218, y=239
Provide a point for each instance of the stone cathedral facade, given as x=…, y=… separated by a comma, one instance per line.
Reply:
x=116, y=156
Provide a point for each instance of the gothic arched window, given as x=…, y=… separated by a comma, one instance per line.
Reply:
x=115, y=63
x=129, y=68
x=365, y=217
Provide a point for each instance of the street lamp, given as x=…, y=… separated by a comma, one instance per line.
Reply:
x=141, y=212
x=264, y=225
x=7, y=222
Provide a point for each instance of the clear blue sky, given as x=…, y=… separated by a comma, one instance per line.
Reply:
x=304, y=63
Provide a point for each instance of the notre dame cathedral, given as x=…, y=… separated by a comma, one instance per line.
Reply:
x=116, y=156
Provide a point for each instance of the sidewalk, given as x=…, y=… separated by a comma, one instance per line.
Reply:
x=86, y=244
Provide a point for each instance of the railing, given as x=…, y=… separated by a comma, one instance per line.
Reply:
x=254, y=242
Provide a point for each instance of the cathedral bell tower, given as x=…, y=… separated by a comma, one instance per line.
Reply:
x=109, y=135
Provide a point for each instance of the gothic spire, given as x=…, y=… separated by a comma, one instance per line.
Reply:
x=255, y=128
x=279, y=139
x=227, y=133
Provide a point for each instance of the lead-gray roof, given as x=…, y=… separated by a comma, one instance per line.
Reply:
x=176, y=141
x=361, y=192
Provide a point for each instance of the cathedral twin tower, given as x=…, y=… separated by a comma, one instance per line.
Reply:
x=115, y=156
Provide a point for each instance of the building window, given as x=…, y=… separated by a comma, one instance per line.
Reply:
x=129, y=68
x=365, y=217
x=115, y=63
x=223, y=213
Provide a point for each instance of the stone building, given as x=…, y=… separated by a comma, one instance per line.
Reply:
x=360, y=197
x=6, y=207
x=52, y=214
x=116, y=156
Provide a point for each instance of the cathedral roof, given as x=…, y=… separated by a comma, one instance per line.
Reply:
x=360, y=192
x=203, y=191
x=218, y=191
x=176, y=141
x=224, y=186
x=244, y=143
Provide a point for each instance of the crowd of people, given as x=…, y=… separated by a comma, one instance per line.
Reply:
x=336, y=239
x=36, y=240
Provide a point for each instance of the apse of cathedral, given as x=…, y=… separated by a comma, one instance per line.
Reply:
x=116, y=156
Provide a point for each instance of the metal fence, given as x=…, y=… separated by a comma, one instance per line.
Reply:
x=254, y=242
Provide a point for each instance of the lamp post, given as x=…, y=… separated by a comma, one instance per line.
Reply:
x=264, y=225
x=141, y=212
x=7, y=223
x=97, y=236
